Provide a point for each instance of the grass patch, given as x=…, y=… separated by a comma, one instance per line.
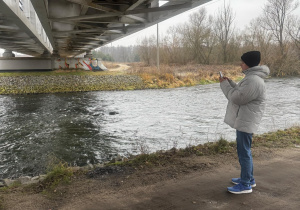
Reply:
x=147, y=159
x=211, y=148
x=280, y=139
x=153, y=159
x=58, y=174
x=161, y=158
x=14, y=185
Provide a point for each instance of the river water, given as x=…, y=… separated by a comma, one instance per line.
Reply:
x=92, y=127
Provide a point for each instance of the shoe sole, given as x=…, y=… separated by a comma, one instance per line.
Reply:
x=252, y=185
x=241, y=192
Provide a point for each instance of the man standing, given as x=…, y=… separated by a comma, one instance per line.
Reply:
x=246, y=104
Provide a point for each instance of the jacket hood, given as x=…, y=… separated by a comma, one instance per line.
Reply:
x=261, y=71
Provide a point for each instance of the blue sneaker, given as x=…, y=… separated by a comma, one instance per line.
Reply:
x=239, y=189
x=238, y=180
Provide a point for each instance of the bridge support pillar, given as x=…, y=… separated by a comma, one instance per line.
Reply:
x=55, y=54
x=25, y=64
x=88, y=54
x=45, y=54
x=8, y=54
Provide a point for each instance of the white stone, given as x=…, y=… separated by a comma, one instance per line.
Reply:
x=24, y=179
x=35, y=178
x=9, y=182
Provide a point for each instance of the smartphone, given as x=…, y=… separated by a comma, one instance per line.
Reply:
x=221, y=75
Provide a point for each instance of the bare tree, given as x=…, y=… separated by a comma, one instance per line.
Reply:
x=173, y=51
x=198, y=37
x=258, y=38
x=274, y=19
x=224, y=28
x=118, y=53
x=147, y=50
x=293, y=27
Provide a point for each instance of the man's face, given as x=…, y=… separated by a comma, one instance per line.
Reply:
x=244, y=66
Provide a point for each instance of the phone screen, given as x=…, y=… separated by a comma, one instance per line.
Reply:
x=221, y=75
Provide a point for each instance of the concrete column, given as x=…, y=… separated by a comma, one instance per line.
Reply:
x=88, y=54
x=55, y=54
x=8, y=54
x=46, y=54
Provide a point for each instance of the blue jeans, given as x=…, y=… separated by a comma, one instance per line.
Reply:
x=244, y=141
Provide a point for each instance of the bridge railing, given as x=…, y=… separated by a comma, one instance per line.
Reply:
x=26, y=7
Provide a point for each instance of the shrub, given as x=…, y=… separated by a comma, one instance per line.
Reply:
x=58, y=173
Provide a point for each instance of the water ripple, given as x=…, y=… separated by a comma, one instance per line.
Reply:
x=91, y=127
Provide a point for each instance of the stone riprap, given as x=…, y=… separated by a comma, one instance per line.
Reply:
x=93, y=171
x=68, y=83
x=22, y=180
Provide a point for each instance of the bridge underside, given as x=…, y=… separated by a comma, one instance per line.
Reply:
x=67, y=28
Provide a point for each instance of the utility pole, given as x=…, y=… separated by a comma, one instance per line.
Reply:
x=157, y=48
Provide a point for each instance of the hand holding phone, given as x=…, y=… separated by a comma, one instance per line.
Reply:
x=221, y=75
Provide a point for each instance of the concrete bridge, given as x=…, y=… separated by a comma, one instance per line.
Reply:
x=67, y=28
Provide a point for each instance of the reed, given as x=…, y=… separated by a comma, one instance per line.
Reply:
x=170, y=76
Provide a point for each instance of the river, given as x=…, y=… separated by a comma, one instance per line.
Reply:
x=92, y=127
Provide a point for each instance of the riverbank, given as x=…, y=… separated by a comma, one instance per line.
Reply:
x=191, y=178
x=173, y=76
x=30, y=84
x=119, y=77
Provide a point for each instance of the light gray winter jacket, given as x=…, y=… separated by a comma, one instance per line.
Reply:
x=246, y=100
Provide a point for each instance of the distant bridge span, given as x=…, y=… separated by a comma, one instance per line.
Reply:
x=66, y=28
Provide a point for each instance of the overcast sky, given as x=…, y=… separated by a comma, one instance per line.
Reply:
x=245, y=11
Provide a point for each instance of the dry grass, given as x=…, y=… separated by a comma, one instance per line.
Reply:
x=276, y=139
x=177, y=76
x=110, y=65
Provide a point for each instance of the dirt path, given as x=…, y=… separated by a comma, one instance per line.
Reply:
x=203, y=186
x=277, y=188
x=122, y=67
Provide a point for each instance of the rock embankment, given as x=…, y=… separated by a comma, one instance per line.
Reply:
x=21, y=180
x=68, y=83
x=92, y=172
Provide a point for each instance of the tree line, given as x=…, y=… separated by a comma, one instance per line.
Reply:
x=118, y=54
x=207, y=39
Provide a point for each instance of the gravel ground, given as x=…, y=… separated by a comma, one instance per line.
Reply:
x=67, y=83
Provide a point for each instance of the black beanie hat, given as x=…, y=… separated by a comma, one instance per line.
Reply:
x=251, y=58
